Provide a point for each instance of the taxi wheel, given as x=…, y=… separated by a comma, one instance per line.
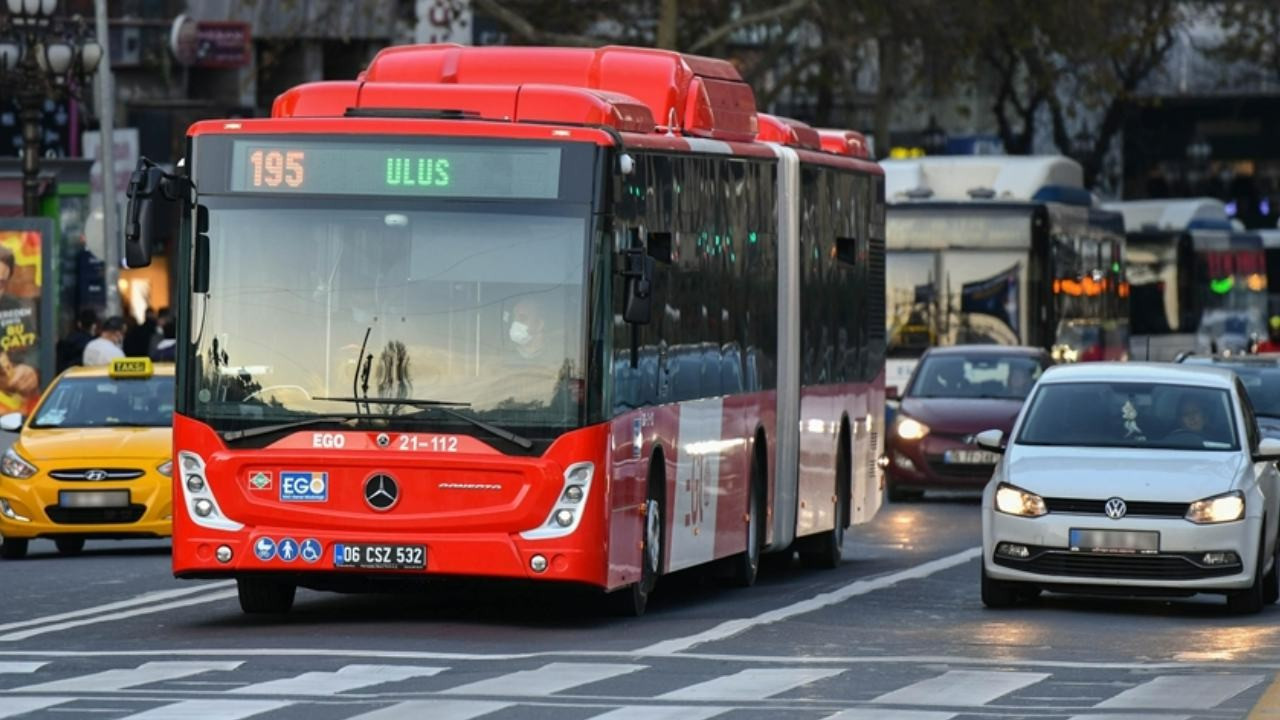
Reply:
x=998, y=593
x=262, y=596
x=70, y=546
x=13, y=549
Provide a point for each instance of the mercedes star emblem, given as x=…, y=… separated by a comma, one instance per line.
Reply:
x=1116, y=508
x=383, y=439
x=381, y=492
x=95, y=475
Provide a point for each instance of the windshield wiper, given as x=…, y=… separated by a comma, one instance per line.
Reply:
x=279, y=427
x=443, y=406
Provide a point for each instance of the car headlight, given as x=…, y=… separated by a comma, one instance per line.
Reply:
x=911, y=429
x=1016, y=501
x=13, y=465
x=1217, y=509
x=165, y=468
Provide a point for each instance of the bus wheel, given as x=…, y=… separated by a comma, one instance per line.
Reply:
x=263, y=596
x=69, y=546
x=826, y=550
x=13, y=549
x=746, y=565
x=632, y=600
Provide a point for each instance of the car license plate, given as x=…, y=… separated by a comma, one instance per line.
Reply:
x=970, y=457
x=1129, y=542
x=93, y=499
x=378, y=556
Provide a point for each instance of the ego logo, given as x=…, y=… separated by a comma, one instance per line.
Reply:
x=328, y=440
x=304, y=486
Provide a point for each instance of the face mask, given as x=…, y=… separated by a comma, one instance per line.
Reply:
x=520, y=333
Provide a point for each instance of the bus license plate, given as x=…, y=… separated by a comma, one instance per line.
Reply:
x=377, y=556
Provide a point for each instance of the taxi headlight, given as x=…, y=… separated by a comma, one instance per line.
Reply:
x=165, y=468
x=911, y=429
x=1016, y=501
x=13, y=465
x=1217, y=509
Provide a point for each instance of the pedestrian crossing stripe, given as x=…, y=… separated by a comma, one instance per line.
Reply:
x=369, y=692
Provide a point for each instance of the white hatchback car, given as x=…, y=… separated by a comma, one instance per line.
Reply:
x=1135, y=479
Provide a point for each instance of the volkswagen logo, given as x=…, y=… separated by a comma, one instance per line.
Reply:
x=1115, y=508
x=95, y=475
x=381, y=492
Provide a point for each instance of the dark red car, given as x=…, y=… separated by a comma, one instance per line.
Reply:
x=955, y=393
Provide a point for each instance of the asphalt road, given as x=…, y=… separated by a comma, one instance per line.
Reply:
x=896, y=633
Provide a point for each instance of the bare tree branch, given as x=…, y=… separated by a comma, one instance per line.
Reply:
x=718, y=34
x=524, y=29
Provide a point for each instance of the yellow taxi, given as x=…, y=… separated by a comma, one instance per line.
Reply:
x=92, y=461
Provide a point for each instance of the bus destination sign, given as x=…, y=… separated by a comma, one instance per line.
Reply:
x=427, y=170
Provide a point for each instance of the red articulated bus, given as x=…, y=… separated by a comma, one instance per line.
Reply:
x=573, y=315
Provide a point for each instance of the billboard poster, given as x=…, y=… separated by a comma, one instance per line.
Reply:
x=21, y=281
x=996, y=296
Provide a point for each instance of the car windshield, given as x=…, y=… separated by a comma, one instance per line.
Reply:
x=1128, y=414
x=975, y=376
x=104, y=402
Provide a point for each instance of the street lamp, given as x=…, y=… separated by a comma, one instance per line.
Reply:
x=41, y=57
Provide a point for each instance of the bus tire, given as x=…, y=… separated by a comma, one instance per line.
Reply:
x=826, y=550
x=13, y=548
x=633, y=600
x=265, y=596
x=745, y=566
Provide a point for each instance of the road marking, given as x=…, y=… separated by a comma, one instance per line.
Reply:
x=666, y=712
x=965, y=688
x=350, y=677
x=11, y=706
x=110, y=680
x=131, y=602
x=546, y=680
x=839, y=660
x=751, y=684
x=858, y=587
x=1268, y=707
x=209, y=710
x=877, y=714
x=112, y=617
x=13, y=668
x=1182, y=692
x=435, y=710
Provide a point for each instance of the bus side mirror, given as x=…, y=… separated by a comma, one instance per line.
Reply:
x=154, y=200
x=638, y=271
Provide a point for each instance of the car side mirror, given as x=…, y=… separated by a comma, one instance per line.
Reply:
x=11, y=422
x=992, y=440
x=891, y=393
x=1268, y=449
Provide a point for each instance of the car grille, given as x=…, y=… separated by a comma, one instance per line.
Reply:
x=1118, y=567
x=95, y=516
x=959, y=470
x=1133, y=507
x=82, y=474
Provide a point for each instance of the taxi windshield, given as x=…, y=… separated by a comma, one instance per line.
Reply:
x=106, y=402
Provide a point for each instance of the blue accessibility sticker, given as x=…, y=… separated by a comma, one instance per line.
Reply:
x=287, y=550
x=265, y=549
x=296, y=486
x=311, y=550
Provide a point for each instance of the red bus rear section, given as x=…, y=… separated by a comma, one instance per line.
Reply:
x=712, y=388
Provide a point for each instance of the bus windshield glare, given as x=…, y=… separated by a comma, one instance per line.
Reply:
x=314, y=298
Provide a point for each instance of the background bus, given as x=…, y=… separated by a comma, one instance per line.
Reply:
x=1007, y=250
x=578, y=346
x=1196, y=283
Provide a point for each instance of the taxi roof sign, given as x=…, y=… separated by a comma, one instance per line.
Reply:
x=131, y=367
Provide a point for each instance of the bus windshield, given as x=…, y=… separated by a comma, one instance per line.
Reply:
x=475, y=304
